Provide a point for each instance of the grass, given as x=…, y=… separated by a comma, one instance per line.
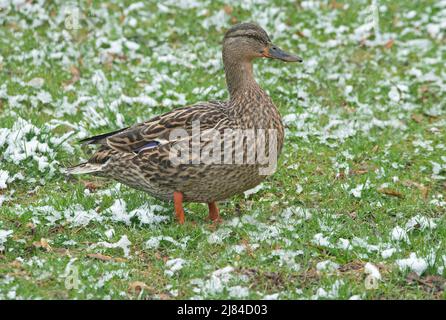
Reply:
x=364, y=153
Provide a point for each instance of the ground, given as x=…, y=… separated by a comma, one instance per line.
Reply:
x=356, y=209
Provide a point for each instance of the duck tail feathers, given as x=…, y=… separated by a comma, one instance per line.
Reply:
x=84, y=168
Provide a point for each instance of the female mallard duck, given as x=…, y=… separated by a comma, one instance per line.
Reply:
x=141, y=155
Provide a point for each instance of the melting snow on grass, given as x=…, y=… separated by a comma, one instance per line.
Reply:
x=4, y=234
x=364, y=155
x=122, y=243
x=413, y=263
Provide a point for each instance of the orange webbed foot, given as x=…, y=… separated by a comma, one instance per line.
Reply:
x=214, y=213
x=178, y=204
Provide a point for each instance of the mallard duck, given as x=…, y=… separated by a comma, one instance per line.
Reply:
x=140, y=155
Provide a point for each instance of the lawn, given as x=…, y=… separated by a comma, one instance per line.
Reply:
x=356, y=209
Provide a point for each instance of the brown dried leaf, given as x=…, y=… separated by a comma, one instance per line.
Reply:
x=43, y=244
x=61, y=251
x=389, y=44
x=228, y=9
x=271, y=280
x=31, y=227
x=102, y=257
x=352, y=266
x=158, y=255
x=424, y=89
x=391, y=192
x=99, y=256
x=300, y=34
x=163, y=296
x=248, y=247
x=91, y=185
x=340, y=175
x=75, y=76
x=353, y=215
x=137, y=286
x=418, y=118
x=359, y=172
x=432, y=283
x=336, y=5
x=423, y=189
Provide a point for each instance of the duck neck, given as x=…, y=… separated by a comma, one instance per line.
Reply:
x=239, y=76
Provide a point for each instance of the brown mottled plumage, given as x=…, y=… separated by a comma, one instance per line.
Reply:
x=138, y=156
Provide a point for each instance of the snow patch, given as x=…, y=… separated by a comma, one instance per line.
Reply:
x=413, y=263
x=123, y=243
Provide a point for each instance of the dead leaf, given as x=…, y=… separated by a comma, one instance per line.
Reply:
x=389, y=44
x=336, y=5
x=418, y=118
x=13, y=26
x=91, y=185
x=340, y=175
x=158, y=255
x=391, y=192
x=32, y=227
x=75, y=76
x=43, y=243
x=228, y=9
x=352, y=266
x=248, y=247
x=423, y=189
x=424, y=89
x=353, y=215
x=61, y=251
x=103, y=257
x=118, y=259
x=99, y=256
x=300, y=34
x=270, y=279
x=432, y=284
x=137, y=286
x=163, y=296
x=359, y=171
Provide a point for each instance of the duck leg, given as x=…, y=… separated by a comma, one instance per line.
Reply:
x=178, y=204
x=214, y=214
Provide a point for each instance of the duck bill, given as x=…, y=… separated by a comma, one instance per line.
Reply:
x=275, y=52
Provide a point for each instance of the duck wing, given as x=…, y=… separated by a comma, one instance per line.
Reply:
x=157, y=130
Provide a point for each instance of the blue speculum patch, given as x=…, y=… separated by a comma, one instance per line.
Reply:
x=149, y=145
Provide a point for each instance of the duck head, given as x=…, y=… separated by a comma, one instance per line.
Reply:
x=247, y=41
